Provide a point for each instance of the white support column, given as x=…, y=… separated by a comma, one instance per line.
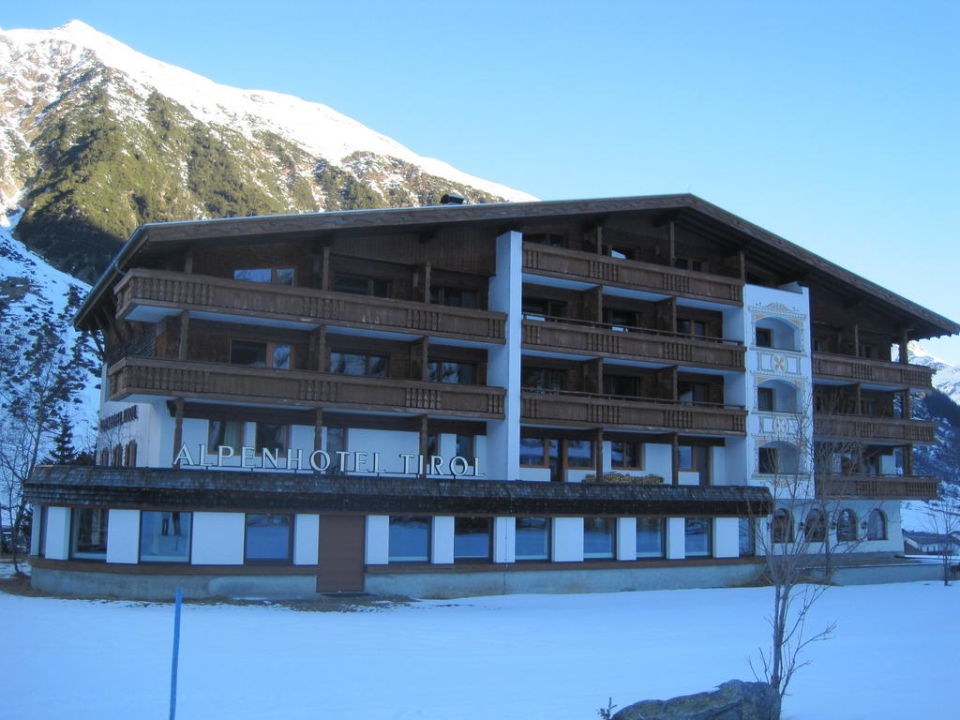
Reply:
x=123, y=536
x=306, y=540
x=58, y=533
x=567, y=539
x=503, y=368
x=504, y=540
x=377, y=539
x=218, y=538
x=726, y=537
x=626, y=538
x=441, y=540
x=676, y=539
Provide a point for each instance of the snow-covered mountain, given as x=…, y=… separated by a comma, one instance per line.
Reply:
x=947, y=376
x=96, y=138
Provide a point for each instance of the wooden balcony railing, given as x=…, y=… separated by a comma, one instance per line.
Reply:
x=890, y=487
x=240, y=299
x=575, y=408
x=240, y=384
x=603, y=270
x=858, y=370
x=563, y=335
x=867, y=429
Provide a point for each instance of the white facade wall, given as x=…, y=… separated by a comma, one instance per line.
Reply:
x=218, y=538
x=306, y=539
x=676, y=539
x=123, y=536
x=626, y=538
x=377, y=540
x=504, y=539
x=567, y=539
x=57, y=541
x=726, y=537
x=441, y=540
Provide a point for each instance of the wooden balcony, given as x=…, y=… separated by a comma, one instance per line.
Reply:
x=864, y=429
x=136, y=376
x=852, y=369
x=603, y=270
x=563, y=335
x=141, y=289
x=574, y=408
x=886, y=487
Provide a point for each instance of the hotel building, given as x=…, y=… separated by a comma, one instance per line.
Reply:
x=521, y=397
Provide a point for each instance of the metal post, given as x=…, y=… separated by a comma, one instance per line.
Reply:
x=176, y=654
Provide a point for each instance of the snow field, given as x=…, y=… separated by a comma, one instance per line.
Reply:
x=524, y=656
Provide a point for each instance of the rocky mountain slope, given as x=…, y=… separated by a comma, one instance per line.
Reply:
x=96, y=138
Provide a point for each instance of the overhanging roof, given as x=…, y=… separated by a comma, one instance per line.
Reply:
x=502, y=215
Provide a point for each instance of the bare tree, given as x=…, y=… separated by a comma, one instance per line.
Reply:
x=943, y=518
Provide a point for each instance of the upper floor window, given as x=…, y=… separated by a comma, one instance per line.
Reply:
x=691, y=393
x=466, y=446
x=456, y=373
x=453, y=296
x=344, y=363
x=623, y=385
x=846, y=526
x=273, y=437
x=682, y=263
x=543, y=308
x=544, y=379
x=260, y=354
x=228, y=433
x=361, y=285
x=688, y=326
x=580, y=453
x=876, y=525
x=781, y=527
x=279, y=276
x=548, y=239
x=623, y=319
x=815, y=527
x=626, y=454
x=776, y=333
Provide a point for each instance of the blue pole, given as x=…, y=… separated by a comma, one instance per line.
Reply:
x=176, y=654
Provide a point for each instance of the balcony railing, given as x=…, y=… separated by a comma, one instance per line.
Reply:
x=577, y=408
x=867, y=429
x=566, y=335
x=859, y=370
x=240, y=299
x=602, y=270
x=892, y=487
x=240, y=384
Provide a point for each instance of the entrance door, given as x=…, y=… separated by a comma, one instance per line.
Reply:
x=341, y=553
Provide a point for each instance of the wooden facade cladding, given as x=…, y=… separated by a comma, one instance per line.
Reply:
x=881, y=487
x=632, y=274
x=204, y=293
x=238, y=383
x=858, y=370
x=601, y=340
x=606, y=411
x=873, y=429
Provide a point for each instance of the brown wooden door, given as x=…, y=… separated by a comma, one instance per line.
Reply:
x=341, y=553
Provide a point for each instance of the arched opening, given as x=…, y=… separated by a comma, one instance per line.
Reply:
x=777, y=396
x=876, y=525
x=846, y=526
x=778, y=458
x=781, y=527
x=815, y=526
x=776, y=333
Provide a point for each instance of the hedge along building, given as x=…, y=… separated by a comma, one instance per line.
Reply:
x=547, y=396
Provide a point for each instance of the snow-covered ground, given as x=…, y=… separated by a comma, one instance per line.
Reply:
x=893, y=656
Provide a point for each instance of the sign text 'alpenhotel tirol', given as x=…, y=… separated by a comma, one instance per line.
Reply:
x=320, y=461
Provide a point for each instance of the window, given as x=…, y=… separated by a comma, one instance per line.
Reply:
x=116, y=456
x=778, y=458
x=278, y=276
x=471, y=539
x=696, y=328
x=748, y=537
x=548, y=239
x=781, y=527
x=130, y=454
x=876, y=525
x=693, y=458
x=409, y=539
x=105, y=456
x=260, y=354
x=433, y=444
x=543, y=308
x=650, y=534
x=697, y=541
x=815, y=527
x=359, y=364
x=682, y=263
x=273, y=437
x=453, y=296
x=88, y=533
x=765, y=399
x=623, y=385
x=466, y=446
x=580, y=453
x=626, y=454
x=846, y=526
x=533, y=538
x=456, y=373
x=336, y=442
x=361, y=285
x=543, y=379
x=228, y=433
x=165, y=536
x=690, y=393
x=532, y=452
x=268, y=539
x=764, y=338
x=771, y=332
x=623, y=319
x=599, y=538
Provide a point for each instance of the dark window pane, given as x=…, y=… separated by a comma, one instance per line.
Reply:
x=579, y=453
x=649, y=537
x=598, y=538
x=531, y=452
x=253, y=354
x=451, y=372
x=284, y=276
x=89, y=533
x=165, y=536
x=271, y=436
x=466, y=445
x=533, y=538
x=748, y=537
x=765, y=399
x=471, y=538
x=409, y=539
x=228, y=433
x=626, y=455
x=269, y=538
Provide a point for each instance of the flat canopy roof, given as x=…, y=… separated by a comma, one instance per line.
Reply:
x=154, y=236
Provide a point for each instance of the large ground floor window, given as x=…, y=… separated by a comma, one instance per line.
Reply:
x=409, y=539
x=471, y=539
x=697, y=532
x=599, y=538
x=88, y=533
x=533, y=538
x=268, y=539
x=165, y=536
x=650, y=537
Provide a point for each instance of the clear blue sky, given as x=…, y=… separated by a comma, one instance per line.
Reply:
x=833, y=123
